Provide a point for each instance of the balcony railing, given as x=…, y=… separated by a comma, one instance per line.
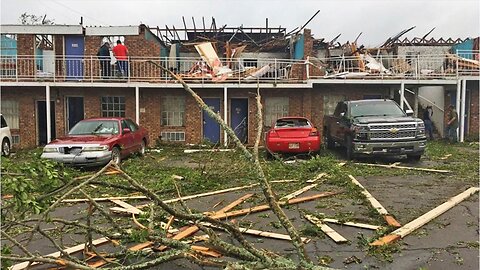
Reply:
x=66, y=68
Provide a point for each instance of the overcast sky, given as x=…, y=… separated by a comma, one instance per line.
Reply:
x=377, y=19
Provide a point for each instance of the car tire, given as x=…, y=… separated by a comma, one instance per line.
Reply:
x=5, y=147
x=414, y=158
x=349, y=148
x=328, y=140
x=116, y=155
x=141, y=151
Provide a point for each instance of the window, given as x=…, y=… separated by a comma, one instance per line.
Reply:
x=173, y=136
x=8, y=52
x=330, y=103
x=131, y=125
x=113, y=106
x=11, y=113
x=173, y=111
x=275, y=107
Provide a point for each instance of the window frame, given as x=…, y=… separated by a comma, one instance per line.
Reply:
x=168, y=115
x=113, y=105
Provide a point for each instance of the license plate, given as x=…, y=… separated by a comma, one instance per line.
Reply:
x=293, y=145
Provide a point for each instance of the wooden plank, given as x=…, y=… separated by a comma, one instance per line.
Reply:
x=266, y=206
x=207, y=251
x=376, y=204
x=425, y=218
x=273, y=235
x=57, y=254
x=235, y=203
x=298, y=192
x=105, y=199
x=132, y=209
x=326, y=229
x=316, y=178
x=404, y=167
x=352, y=224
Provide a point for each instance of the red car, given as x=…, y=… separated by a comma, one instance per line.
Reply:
x=292, y=135
x=96, y=141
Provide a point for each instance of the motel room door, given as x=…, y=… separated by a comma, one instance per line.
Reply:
x=239, y=118
x=42, y=121
x=211, y=129
x=74, y=50
x=75, y=111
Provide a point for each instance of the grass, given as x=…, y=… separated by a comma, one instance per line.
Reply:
x=207, y=171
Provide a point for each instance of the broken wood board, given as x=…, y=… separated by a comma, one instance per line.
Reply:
x=206, y=251
x=106, y=199
x=189, y=151
x=404, y=167
x=57, y=254
x=326, y=229
x=376, y=204
x=446, y=156
x=272, y=235
x=318, y=177
x=231, y=205
x=264, y=207
x=128, y=207
x=352, y=224
x=184, y=198
x=425, y=218
x=296, y=193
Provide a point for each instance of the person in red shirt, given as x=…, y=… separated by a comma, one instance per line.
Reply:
x=121, y=53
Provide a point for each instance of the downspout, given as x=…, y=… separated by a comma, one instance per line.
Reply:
x=137, y=105
x=49, y=120
x=462, y=110
x=457, y=103
x=402, y=94
x=225, y=114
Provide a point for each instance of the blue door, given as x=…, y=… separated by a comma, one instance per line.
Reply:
x=211, y=129
x=74, y=48
x=239, y=118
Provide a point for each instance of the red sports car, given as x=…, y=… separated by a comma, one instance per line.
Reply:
x=292, y=135
x=96, y=141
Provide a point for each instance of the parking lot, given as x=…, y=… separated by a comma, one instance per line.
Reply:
x=449, y=241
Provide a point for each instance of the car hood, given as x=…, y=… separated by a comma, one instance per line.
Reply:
x=384, y=119
x=84, y=139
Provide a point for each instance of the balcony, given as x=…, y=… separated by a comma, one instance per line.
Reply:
x=87, y=69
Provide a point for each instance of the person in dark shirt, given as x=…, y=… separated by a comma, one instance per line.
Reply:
x=452, y=124
x=427, y=119
x=103, y=55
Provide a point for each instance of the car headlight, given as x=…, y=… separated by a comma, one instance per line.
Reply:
x=95, y=148
x=421, y=129
x=50, y=149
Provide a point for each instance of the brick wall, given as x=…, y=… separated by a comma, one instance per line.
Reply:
x=25, y=51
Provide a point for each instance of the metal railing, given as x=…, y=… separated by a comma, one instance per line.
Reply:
x=146, y=69
x=66, y=68
x=439, y=66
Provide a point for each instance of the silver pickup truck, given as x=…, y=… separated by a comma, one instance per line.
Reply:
x=374, y=127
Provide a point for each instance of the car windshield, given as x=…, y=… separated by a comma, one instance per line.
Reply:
x=292, y=122
x=95, y=127
x=375, y=109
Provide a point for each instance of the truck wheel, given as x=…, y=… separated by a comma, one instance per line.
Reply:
x=5, y=147
x=415, y=158
x=349, y=148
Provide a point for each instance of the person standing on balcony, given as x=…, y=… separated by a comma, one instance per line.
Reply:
x=103, y=55
x=427, y=119
x=452, y=124
x=121, y=53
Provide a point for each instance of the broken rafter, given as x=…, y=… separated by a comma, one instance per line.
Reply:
x=425, y=218
x=352, y=224
x=376, y=204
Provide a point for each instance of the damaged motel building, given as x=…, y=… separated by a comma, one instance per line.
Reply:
x=297, y=74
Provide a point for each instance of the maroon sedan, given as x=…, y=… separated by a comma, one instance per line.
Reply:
x=292, y=135
x=96, y=141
